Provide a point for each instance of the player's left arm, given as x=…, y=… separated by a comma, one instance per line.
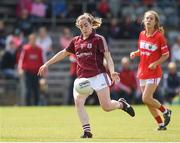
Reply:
x=109, y=60
x=162, y=59
x=110, y=65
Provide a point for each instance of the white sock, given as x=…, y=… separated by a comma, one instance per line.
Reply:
x=161, y=124
x=165, y=111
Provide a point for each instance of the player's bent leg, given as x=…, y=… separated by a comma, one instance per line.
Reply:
x=127, y=107
x=148, y=99
x=147, y=96
x=108, y=105
x=105, y=101
x=155, y=113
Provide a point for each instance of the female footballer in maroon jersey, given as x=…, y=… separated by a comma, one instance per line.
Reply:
x=90, y=50
x=152, y=50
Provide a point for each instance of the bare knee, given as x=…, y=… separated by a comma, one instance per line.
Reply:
x=106, y=107
x=146, y=99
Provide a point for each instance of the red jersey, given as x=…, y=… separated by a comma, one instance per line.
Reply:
x=31, y=58
x=151, y=49
x=89, y=54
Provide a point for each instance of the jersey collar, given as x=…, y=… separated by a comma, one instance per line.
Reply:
x=90, y=36
x=152, y=34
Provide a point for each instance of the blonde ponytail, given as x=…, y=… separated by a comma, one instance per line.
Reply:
x=161, y=29
x=95, y=21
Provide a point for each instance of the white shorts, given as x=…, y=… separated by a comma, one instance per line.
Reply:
x=144, y=82
x=100, y=81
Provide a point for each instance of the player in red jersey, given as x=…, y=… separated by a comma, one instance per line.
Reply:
x=152, y=50
x=90, y=50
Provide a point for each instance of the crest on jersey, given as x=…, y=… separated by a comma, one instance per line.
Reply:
x=148, y=46
x=81, y=46
x=89, y=45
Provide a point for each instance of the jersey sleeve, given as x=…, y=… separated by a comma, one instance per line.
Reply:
x=103, y=47
x=163, y=45
x=71, y=47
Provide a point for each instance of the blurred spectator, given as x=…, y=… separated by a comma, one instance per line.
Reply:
x=114, y=6
x=128, y=10
x=9, y=61
x=148, y=2
x=24, y=23
x=38, y=8
x=18, y=39
x=104, y=30
x=139, y=9
x=23, y=5
x=137, y=27
x=74, y=10
x=65, y=38
x=59, y=8
x=44, y=41
x=176, y=50
x=127, y=87
x=114, y=29
x=103, y=8
x=91, y=7
x=73, y=76
x=171, y=83
x=172, y=35
x=2, y=35
x=127, y=28
x=29, y=63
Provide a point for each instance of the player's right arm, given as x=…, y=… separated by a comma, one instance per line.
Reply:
x=56, y=58
x=137, y=52
x=134, y=54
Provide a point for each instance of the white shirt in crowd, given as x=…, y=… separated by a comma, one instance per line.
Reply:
x=46, y=45
x=176, y=52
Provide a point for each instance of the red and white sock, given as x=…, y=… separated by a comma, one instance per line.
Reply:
x=163, y=109
x=159, y=120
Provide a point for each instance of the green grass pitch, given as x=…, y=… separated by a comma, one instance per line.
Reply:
x=60, y=123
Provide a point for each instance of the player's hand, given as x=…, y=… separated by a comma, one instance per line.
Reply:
x=132, y=55
x=115, y=77
x=152, y=66
x=43, y=70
